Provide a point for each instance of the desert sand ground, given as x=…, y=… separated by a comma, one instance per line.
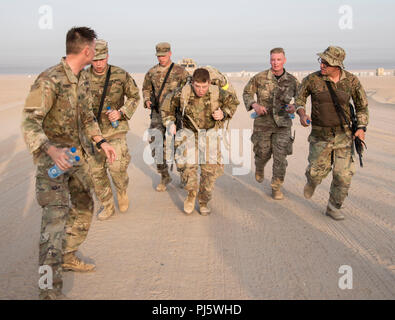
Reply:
x=250, y=247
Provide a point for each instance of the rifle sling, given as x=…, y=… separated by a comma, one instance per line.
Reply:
x=157, y=98
x=103, y=96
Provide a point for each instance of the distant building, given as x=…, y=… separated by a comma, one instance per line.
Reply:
x=380, y=72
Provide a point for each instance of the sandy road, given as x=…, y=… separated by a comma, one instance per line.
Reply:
x=251, y=247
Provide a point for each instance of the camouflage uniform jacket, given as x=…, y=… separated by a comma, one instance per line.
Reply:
x=273, y=94
x=199, y=109
x=177, y=78
x=348, y=87
x=120, y=84
x=58, y=111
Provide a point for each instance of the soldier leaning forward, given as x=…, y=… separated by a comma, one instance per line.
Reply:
x=204, y=108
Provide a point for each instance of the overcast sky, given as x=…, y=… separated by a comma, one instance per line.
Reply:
x=233, y=35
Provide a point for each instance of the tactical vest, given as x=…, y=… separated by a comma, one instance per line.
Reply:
x=323, y=114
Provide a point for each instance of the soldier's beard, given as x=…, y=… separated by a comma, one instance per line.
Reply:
x=324, y=72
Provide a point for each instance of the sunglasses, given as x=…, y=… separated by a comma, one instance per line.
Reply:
x=324, y=62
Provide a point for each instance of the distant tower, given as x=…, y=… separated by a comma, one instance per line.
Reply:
x=189, y=65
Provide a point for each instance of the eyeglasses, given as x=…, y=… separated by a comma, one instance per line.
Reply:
x=324, y=62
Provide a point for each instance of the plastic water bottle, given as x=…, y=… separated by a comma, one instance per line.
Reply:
x=55, y=171
x=291, y=115
x=254, y=115
x=113, y=123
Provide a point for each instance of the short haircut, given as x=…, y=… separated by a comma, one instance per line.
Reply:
x=201, y=75
x=277, y=50
x=77, y=38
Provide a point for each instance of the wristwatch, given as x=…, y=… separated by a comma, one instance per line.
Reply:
x=98, y=145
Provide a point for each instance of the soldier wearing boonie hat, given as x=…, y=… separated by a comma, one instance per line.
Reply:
x=330, y=138
x=334, y=56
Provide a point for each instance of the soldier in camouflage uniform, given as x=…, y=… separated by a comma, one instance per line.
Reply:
x=57, y=116
x=330, y=139
x=154, y=79
x=204, y=107
x=120, y=85
x=274, y=89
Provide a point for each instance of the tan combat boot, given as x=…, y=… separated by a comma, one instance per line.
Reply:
x=333, y=212
x=204, y=209
x=73, y=263
x=189, y=203
x=52, y=295
x=164, y=181
x=123, y=201
x=259, y=176
x=105, y=214
x=277, y=194
x=308, y=190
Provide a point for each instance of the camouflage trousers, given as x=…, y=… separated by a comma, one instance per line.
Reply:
x=118, y=171
x=273, y=141
x=330, y=149
x=158, y=129
x=67, y=210
x=211, y=167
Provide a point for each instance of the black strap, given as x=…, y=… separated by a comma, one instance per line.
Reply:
x=358, y=144
x=98, y=145
x=339, y=109
x=157, y=98
x=103, y=96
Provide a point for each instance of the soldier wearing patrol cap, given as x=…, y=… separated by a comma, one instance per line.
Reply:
x=330, y=138
x=153, y=99
x=120, y=86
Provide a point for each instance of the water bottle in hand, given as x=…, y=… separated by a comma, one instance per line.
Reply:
x=254, y=115
x=113, y=123
x=55, y=171
x=291, y=115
